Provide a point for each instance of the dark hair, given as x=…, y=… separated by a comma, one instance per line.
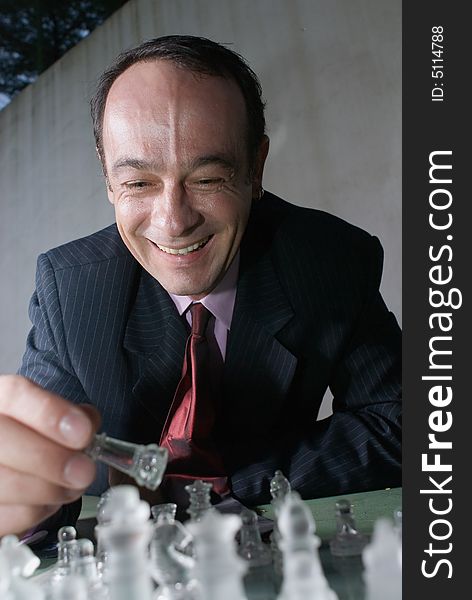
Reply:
x=199, y=55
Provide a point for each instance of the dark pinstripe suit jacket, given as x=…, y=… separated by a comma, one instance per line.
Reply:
x=308, y=315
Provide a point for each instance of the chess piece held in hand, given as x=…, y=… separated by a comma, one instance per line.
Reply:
x=145, y=464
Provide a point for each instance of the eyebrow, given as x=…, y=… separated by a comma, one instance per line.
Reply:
x=138, y=164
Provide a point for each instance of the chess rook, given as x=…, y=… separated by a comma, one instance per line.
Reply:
x=145, y=464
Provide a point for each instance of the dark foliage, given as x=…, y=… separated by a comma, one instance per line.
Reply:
x=36, y=33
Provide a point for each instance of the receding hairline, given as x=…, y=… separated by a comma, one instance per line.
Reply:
x=198, y=56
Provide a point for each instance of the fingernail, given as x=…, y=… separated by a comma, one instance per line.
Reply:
x=79, y=471
x=75, y=427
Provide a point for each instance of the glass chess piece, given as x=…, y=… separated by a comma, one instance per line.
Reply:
x=84, y=565
x=66, y=540
x=164, y=512
x=218, y=570
x=17, y=563
x=348, y=541
x=199, y=499
x=145, y=464
x=397, y=520
x=382, y=566
x=72, y=587
x=171, y=563
x=280, y=488
x=302, y=568
x=124, y=534
x=251, y=546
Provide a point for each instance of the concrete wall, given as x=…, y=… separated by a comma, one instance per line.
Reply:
x=330, y=71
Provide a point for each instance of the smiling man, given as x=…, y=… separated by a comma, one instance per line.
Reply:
x=211, y=318
x=176, y=155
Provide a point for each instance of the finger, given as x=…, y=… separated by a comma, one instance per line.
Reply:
x=21, y=488
x=19, y=519
x=92, y=414
x=25, y=450
x=45, y=412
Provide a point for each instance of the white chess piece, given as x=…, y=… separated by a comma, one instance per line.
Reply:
x=279, y=489
x=17, y=562
x=199, y=499
x=218, y=568
x=303, y=575
x=171, y=566
x=383, y=573
x=124, y=536
x=251, y=546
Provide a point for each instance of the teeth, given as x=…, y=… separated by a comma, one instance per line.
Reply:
x=184, y=251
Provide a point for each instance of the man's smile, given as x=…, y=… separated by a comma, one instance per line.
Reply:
x=187, y=249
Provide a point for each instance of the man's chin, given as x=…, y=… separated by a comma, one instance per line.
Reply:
x=196, y=292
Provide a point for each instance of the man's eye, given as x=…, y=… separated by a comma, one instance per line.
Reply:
x=137, y=185
x=207, y=184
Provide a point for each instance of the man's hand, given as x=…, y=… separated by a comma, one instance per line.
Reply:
x=41, y=466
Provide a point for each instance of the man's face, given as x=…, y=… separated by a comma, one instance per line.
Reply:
x=176, y=158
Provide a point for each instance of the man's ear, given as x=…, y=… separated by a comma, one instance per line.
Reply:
x=111, y=197
x=107, y=181
x=259, y=163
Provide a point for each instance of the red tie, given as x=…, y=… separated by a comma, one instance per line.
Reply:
x=189, y=424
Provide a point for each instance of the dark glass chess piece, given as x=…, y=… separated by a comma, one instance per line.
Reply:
x=348, y=541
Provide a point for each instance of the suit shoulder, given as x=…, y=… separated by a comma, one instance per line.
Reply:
x=103, y=245
x=310, y=227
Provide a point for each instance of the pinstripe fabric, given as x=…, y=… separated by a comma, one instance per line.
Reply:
x=308, y=315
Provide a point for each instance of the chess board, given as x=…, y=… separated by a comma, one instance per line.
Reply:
x=345, y=575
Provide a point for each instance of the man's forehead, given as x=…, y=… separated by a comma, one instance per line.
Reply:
x=162, y=81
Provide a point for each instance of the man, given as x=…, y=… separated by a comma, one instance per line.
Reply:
x=293, y=295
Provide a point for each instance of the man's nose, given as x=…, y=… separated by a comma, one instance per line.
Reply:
x=174, y=212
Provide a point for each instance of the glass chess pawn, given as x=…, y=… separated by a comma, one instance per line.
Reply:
x=348, y=541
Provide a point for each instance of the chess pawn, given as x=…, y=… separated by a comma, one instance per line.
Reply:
x=382, y=567
x=102, y=516
x=84, y=565
x=303, y=574
x=70, y=587
x=251, y=546
x=397, y=519
x=17, y=562
x=279, y=489
x=348, y=541
x=124, y=535
x=66, y=540
x=218, y=569
x=145, y=464
x=257, y=555
x=199, y=499
x=170, y=564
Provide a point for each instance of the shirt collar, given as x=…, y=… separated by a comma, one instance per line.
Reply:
x=220, y=301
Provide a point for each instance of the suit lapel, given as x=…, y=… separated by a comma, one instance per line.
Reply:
x=258, y=368
x=155, y=336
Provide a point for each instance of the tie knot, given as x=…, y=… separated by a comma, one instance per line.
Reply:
x=200, y=316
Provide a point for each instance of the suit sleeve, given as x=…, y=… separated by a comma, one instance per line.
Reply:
x=46, y=362
x=46, y=359
x=359, y=447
